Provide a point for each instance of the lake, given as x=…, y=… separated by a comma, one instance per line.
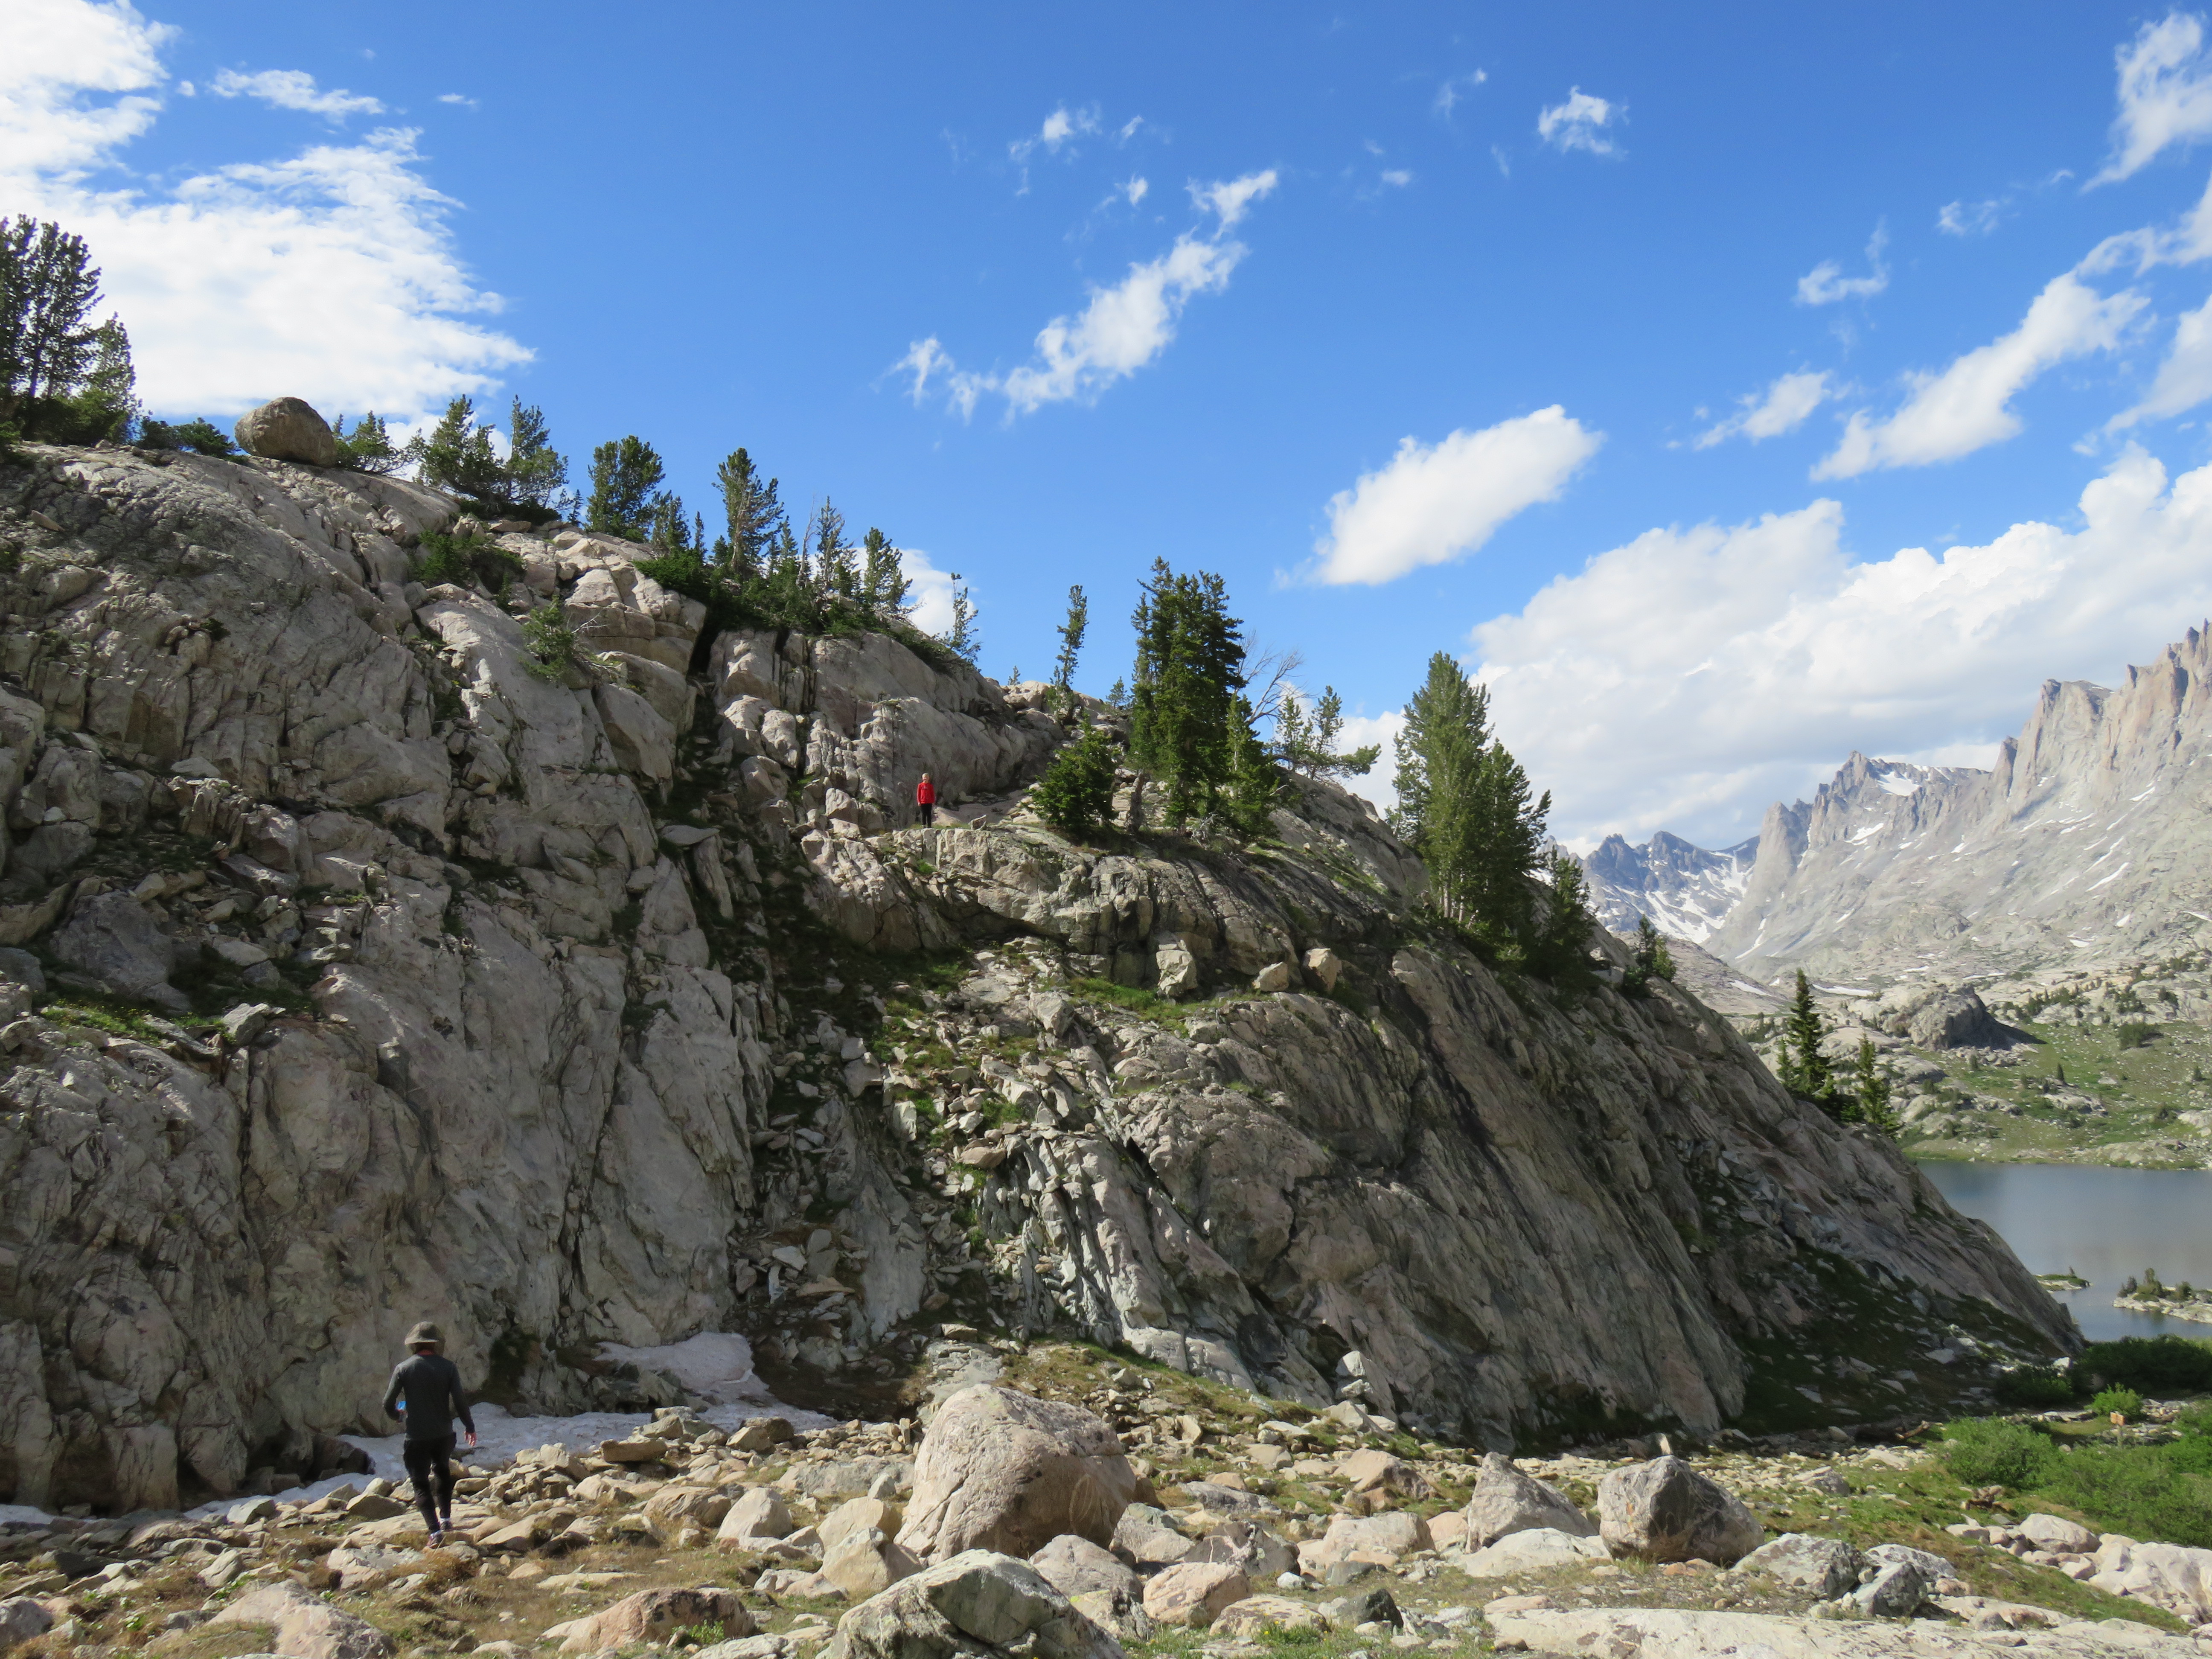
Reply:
x=2104, y=1223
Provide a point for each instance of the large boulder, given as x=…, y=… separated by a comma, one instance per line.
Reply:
x=1955, y=1018
x=654, y=1616
x=1147, y=1536
x=976, y=1603
x=1822, y=1567
x=1007, y=1472
x=21, y=1619
x=288, y=429
x=865, y=1562
x=1504, y=1501
x=1381, y=1539
x=1665, y=1510
x=2058, y=1534
x=306, y=1627
x=2174, y=1577
x=758, y=1517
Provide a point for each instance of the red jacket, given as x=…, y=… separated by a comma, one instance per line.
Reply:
x=925, y=794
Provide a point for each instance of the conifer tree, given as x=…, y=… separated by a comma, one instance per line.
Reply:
x=1188, y=726
x=1070, y=648
x=1871, y=1087
x=1651, y=960
x=368, y=447
x=1560, y=948
x=751, y=511
x=48, y=287
x=1812, y=1074
x=961, y=638
x=624, y=477
x=1076, y=793
x=1307, y=741
x=837, y=572
x=535, y=469
x=884, y=583
x=457, y=455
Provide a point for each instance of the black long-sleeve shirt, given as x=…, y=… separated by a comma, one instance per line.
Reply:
x=432, y=1385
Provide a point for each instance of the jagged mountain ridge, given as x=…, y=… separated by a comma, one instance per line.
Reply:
x=1686, y=890
x=578, y=1030
x=2084, y=845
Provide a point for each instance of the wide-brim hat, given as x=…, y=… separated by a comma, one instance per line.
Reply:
x=426, y=1332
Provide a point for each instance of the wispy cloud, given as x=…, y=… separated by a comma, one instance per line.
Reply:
x=294, y=89
x=1433, y=503
x=461, y=98
x=1782, y=407
x=1119, y=331
x=1826, y=282
x=1583, y=122
x=1968, y=218
x=1968, y=406
x=2165, y=94
x=1061, y=128
x=1450, y=94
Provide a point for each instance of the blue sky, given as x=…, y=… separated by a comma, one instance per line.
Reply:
x=1620, y=352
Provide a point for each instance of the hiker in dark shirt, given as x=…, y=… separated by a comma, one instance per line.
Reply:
x=431, y=1384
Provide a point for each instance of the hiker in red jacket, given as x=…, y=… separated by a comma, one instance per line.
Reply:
x=925, y=800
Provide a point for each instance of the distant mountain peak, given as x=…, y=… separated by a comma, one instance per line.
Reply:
x=1687, y=890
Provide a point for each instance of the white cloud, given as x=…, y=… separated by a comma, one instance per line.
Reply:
x=1826, y=282
x=1581, y=123
x=1432, y=504
x=1686, y=679
x=2185, y=379
x=1968, y=218
x=1399, y=177
x=1505, y=166
x=1968, y=406
x=461, y=98
x=1232, y=198
x=294, y=89
x=330, y=274
x=1122, y=328
x=2186, y=243
x=2165, y=92
x=1134, y=190
x=1449, y=95
x=1782, y=408
x=1060, y=127
x=931, y=592
x=1127, y=129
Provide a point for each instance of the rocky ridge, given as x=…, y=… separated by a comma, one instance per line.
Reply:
x=369, y=962
x=1686, y=891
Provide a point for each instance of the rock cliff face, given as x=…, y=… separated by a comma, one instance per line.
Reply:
x=379, y=968
x=2084, y=845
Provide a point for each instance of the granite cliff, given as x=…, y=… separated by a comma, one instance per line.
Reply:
x=365, y=962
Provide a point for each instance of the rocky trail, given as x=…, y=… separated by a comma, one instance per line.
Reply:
x=1248, y=1536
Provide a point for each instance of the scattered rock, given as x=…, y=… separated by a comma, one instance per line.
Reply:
x=760, y=1515
x=1504, y=1501
x=976, y=1602
x=1148, y=1536
x=1665, y=1510
x=1075, y=1567
x=653, y=1616
x=1192, y=1592
x=1539, y=1549
x=1824, y=1567
x=306, y=1626
x=2057, y=1535
x=1895, y=1591
x=1259, y=1616
x=21, y=1619
x=864, y=1562
x=1005, y=1471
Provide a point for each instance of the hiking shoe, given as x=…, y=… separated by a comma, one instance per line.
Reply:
x=437, y=1540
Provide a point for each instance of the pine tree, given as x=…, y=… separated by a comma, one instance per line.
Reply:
x=535, y=469
x=884, y=583
x=1076, y=793
x=1559, y=950
x=1188, y=727
x=836, y=574
x=752, y=511
x=962, y=638
x=368, y=447
x=48, y=287
x=1814, y=1073
x=1872, y=1089
x=1651, y=960
x=624, y=477
x=457, y=455
x=1070, y=648
x=1307, y=742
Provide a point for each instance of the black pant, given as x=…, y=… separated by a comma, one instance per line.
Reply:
x=926, y=811
x=430, y=1467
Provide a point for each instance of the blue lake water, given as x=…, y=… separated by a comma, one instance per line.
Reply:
x=2104, y=1223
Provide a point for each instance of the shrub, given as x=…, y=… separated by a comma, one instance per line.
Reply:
x=2161, y=1492
x=2126, y=1401
x=2157, y=1365
x=2134, y=1034
x=1988, y=1451
x=464, y=559
x=2036, y=1386
x=1076, y=793
x=552, y=643
x=203, y=436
